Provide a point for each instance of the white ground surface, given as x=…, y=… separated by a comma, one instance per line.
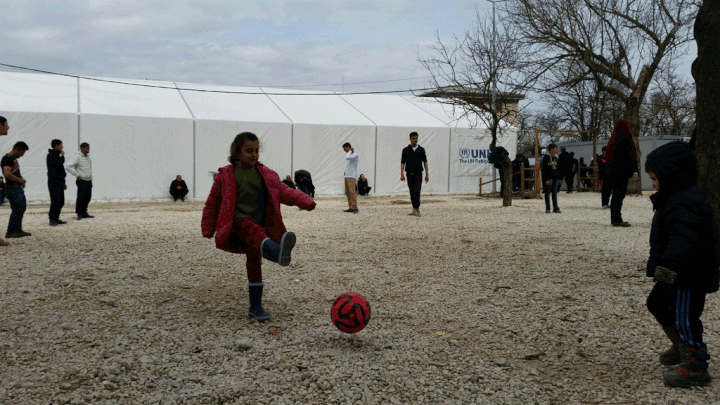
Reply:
x=471, y=303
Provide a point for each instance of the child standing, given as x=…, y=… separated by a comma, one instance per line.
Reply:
x=551, y=178
x=243, y=212
x=684, y=261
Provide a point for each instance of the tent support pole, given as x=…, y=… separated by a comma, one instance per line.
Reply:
x=449, y=158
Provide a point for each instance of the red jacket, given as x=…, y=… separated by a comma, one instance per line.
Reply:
x=217, y=218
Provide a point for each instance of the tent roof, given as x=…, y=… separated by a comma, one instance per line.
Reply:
x=38, y=93
x=392, y=110
x=324, y=108
x=134, y=99
x=230, y=103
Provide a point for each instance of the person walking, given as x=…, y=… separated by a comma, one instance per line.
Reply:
x=352, y=159
x=56, y=181
x=4, y=128
x=15, y=189
x=565, y=164
x=622, y=159
x=412, y=160
x=243, y=213
x=551, y=178
x=684, y=261
x=80, y=166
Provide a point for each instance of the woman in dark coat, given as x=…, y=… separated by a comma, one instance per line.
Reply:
x=622, y=158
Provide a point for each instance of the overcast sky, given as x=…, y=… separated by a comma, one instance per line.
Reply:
x=280, y=43
x=248, y=43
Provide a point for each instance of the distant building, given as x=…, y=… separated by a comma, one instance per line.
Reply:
x=506, y=103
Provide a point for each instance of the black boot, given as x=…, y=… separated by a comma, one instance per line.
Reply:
x=256, y=309
x=279, y=254
x=671, y=356
x=692, y=370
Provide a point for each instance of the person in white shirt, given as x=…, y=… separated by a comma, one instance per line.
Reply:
x=80, y=166
x=350, y=177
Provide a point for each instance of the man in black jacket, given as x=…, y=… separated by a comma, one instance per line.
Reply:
x=178, y=188
x=565, y=163
x=411, y=162
x=551, y=178
x=56, y=181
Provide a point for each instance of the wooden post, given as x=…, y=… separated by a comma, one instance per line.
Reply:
x=480, y=190
x=538, y=181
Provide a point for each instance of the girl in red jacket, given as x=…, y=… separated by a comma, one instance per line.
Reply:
x=243, y=212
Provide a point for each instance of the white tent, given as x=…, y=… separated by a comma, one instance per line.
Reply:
x=469, y=147
x=143, y=133
x=39, y=108
x=322, y=123
x=221, y=113
x=396, y=119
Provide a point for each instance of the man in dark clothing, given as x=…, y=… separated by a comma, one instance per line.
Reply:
x=565, y=163
x=56, y=181
x=288, y=182
x=684, y=261
x=604, y=170
x=411, y=162
x=178, y=188
x=14, y=190
x=584, y=173
x=496, y=159
x=570, y=178
x=551, y=178
x=2, y=190
x=519, y=162
x=362, y=184
x=303, y=181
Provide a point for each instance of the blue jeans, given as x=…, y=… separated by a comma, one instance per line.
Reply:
x=548, y=189
x=16, y=196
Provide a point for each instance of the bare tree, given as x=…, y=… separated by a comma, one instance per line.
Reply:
x=479, y=73
x=619, y=43
x=704, y=70
x=670, y=107
x=583, y=105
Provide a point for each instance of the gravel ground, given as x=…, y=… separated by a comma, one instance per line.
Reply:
x=472, y=303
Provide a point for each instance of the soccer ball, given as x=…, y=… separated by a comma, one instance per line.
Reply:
x=350, y=312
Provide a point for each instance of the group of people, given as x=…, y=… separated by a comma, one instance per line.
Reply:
x=616, y=166
x=242, y=213
x=80, y=166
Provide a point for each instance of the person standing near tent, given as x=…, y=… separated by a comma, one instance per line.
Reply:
x=56, y=181
x=80, y=166
x=4, y=127
x=411, y=162
x=352, y=159
x=14, y=190
x=178, y=188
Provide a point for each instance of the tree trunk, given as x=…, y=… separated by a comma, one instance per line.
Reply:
x=506, y=191
x=704, y=70
x=632, y=115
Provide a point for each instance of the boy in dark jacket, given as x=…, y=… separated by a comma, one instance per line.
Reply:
x=550, y=171
x=684, y=261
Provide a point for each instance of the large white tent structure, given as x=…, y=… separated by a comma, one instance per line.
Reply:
x=143, y=133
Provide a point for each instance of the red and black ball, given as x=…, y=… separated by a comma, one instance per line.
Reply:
x=350, y=312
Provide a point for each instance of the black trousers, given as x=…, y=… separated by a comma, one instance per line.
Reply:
x=57, y=198
x=619, y=189
x=84, y=195
x=178, y=193
x=414, y=181
x=678, y=308
x=569, y=178
x=606, y=190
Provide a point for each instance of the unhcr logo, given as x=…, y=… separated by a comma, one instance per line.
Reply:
x=473, y=156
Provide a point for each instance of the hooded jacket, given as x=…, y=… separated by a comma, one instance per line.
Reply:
x=55, y=166
x=684, y=237
x=217, y=217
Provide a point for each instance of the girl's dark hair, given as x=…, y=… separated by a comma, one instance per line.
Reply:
x=237, y=145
